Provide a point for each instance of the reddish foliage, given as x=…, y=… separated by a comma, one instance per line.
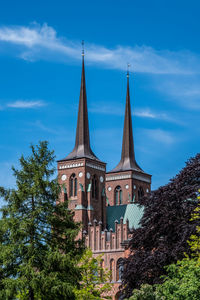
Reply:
x=165, y=228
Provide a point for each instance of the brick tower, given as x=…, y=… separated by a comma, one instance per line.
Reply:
x=87, y=186
x=127, y=181
x=81, y=173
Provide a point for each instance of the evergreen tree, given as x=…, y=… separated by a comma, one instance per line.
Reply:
x=165, y=228
x=38, y=251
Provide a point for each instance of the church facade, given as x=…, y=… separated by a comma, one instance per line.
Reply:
x=104, y=202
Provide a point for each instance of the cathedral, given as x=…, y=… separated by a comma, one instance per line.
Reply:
x=105, y=202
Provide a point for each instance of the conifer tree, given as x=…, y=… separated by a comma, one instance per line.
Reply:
x=38, y=251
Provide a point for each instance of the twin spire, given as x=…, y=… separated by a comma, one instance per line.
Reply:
x=127, y=161
x=82, y=143
x=82, y=147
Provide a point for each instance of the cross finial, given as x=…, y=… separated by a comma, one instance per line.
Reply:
x=128, y=68
x=83, y=53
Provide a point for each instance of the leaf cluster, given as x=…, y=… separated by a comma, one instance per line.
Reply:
x=95, y=279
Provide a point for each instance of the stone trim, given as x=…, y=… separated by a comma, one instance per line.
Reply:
x=69, y=166
x=117, y=177
x=95, y=167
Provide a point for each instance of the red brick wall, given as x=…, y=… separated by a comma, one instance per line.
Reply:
x=130, y=186
x=81, y=168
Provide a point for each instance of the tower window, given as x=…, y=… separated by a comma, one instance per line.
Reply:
x=118, y=195
x=140, y=192
x=73, y=185
x=95, y=187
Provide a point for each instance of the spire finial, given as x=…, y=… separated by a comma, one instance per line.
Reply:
x=83, y=52
x=128, y=68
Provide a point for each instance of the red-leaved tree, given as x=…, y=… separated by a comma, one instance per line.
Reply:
x=165, y=228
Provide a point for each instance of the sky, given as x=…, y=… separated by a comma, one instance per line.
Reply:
x=40, y=71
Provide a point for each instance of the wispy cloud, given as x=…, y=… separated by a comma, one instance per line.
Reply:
x=147, y=113
x=185, y=90
x=161, y=136
x=42, y=42
x=26, y=104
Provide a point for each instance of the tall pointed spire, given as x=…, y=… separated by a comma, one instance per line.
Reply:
x=82, y=143
x=127, y=161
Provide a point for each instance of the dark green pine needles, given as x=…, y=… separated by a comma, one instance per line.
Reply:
x=38, y=251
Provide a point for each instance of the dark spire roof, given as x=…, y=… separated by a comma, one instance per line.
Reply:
x=127, y=161
x=82, y=144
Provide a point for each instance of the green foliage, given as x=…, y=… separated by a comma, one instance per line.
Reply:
x=95, y=279
x=195, y=238
x=146, y=292
x=38, y=252
x=182, y=282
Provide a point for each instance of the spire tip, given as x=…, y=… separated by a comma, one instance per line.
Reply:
x=83, y=52
x=128, y=68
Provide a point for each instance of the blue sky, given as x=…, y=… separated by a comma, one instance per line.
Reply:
x=40, y=59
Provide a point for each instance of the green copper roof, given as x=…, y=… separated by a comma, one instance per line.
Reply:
x=133, y=212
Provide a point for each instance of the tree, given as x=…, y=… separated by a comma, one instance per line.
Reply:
x=38, y=251
x=95, y=279
x=183, y=278
x=146, y=292
x=165, y=228
x=182, y=282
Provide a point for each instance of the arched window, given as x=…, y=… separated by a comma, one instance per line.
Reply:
x=112, y=269
x=73, y=185
x=140, y=192
x=119, y=269
x=118, y=195
x=95, y=187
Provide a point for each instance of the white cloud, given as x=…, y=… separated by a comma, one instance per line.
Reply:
x=26, y=104
x=146, y=114
x=42, y=42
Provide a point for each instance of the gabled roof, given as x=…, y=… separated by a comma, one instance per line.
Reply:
x=132, y=211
